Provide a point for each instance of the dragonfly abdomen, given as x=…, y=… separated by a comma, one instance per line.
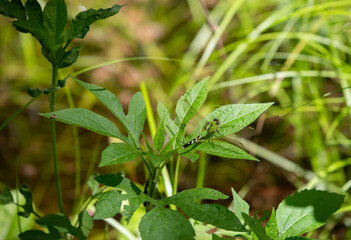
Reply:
x=195, y=140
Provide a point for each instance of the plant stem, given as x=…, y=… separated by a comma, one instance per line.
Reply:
x=53, y=135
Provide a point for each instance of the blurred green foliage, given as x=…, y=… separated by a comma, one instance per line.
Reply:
x=295, y=53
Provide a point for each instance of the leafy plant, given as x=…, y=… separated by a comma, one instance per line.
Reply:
x=160, y=222
x=48, y=27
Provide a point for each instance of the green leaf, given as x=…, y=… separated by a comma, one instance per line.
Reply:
x=233, y=118
x=108, y=99
x=118, y=153
x=191, y=102
x=6, y=196
x=192, y=156
x=136, y=116
x=39, y=235
x=13, y=9
x=165, y=224
x=80, y=25
x=224, y=149
x=133, y=194
x=87, y=119
x=54, y=21
x=85, y=223
x=62, y=223
x=271, y=228
x=305, y=211
x=69, y=57
x=169, y=126
x=214, y=214
x=257, y=231
x=34, y=11
x=109, y=204
x=28, y=207
x=155, y=159
x=159, y=138
x=240, y=206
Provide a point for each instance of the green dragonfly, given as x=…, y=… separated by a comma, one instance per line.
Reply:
x=211, y=129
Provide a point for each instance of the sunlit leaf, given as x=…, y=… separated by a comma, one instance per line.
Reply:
x=118, y=153
x=165, y=224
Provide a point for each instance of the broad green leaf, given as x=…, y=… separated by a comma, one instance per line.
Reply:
x=240, y=206
x=109, y=204
x=191, y=102
x=69, y=57
x=54, y=21
x=169, y=126
x=233, y=118
x=224, y=149
x=133, y=194
x=305, y=211
x=80, y=25
x=27, y=207
x=271, y=228
x=13, y=9
x=214, y=214
x=85, y=223
x=87, y=119
x=302, y=238
x=108, y=99
x=39, y=235
x=257, y=231
x=136, y=116
x=159, y=138
x=165, y=224
x=118, y=153
x=6, y=196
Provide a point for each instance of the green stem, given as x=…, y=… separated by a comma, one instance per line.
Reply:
x=53, y=135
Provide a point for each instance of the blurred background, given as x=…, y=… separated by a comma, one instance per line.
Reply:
x=294, y=53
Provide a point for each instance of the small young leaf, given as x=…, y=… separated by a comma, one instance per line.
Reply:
x=69, y=57
x=28, y=207
x=80, y=25
x=240, y=206
x=159, y=138
x=191, y=102
x=271, y=228
x=6, y=196
x=224, y=149
x=136, y=116
x=109, y=204
x=87, y=119
x=165, y=224
x=13, y=9
x=169, y=126
x=257, y=231
x=118, y=153
x=305, y=211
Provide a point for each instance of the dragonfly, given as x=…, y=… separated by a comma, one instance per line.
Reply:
x=211, y=129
